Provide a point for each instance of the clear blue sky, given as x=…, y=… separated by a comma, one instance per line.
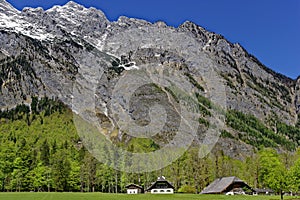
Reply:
x=268, y=29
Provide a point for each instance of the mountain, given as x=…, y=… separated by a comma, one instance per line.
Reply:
x=94, y=66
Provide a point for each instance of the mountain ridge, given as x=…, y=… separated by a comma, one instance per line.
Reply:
x=78, y=6
x=43, y=52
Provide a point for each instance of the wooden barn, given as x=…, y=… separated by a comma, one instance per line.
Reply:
x=161, y=186
x=228, y=185
x=134, y=189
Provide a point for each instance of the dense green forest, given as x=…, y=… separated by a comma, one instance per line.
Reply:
x=41, y=151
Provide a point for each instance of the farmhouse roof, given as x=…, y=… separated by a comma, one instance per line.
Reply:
x=133, y=186
x=160, y=179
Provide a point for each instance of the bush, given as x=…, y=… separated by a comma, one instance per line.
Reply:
x=226, y=134
x=187, y=189
x=194, y=82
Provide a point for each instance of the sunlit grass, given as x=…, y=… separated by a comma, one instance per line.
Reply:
x=100, y=196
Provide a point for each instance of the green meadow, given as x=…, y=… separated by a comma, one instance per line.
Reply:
x=100, y=196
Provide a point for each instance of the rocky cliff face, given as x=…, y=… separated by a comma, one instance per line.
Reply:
x=252, y=87
x=67, y=48
x=297, y=96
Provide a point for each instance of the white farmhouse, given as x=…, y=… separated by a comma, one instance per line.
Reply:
x=134, y=189
x=161, y=186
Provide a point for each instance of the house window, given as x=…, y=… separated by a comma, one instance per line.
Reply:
x=168, y=190
x=155, y=191
x=161, y=185
x=161, y=191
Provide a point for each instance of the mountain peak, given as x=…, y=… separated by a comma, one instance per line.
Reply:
x=191, y=26
x=3, y=2
x=74, y=5
x=29, y=9
x=6, y=7
x=70, y=6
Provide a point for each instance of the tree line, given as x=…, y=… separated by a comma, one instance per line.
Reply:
x=41, y=151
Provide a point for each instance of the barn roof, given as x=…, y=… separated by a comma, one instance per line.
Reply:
x=221, y=184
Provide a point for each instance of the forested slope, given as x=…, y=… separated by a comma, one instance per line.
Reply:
x=41, y=151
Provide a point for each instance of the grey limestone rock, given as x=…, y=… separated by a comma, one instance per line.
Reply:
x=52, y=52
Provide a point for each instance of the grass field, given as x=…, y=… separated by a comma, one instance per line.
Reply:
x=99, y=196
